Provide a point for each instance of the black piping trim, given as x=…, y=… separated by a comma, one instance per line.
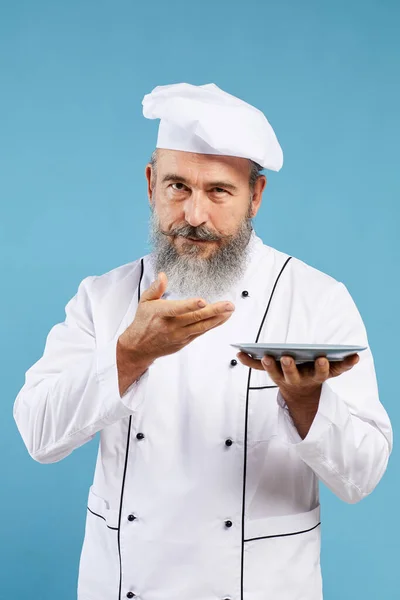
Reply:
x=270, y=299
x=125, y=468
x=246, y=427
x=263, y=387
x=101, y=517
x=268, y=537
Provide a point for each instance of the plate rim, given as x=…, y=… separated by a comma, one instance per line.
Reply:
x=302, y=347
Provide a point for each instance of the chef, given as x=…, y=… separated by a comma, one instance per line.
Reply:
x=206, y=482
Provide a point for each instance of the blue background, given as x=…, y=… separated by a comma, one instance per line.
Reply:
x=73, y=202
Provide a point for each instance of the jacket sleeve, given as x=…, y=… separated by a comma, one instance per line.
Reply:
x=72, y=391
x=350, y=440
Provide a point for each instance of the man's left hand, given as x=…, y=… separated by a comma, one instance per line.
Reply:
x=300, y=385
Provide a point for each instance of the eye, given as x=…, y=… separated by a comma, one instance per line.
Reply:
x=179, y=189
x=219, y=190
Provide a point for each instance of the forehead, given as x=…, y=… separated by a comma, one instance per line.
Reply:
x=190, y=164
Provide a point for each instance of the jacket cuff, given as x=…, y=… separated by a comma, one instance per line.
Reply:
x=107, y=375
x=330, y=410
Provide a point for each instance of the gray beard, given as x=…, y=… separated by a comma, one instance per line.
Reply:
x=190, y=275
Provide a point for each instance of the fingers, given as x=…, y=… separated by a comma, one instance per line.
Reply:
x=287, y=372
x=300, y=376
x=157, y=288
x=194, y=309
x=322, y=370
x=175, y=308
x=268, y=363
x=273, y=369
x=202, y=326
x=290, y=370
x=337, y=368
x=248, y=361
x=218, y=309
x=350, y=362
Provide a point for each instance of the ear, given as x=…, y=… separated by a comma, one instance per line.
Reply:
x=259, y=187
x=149, y=173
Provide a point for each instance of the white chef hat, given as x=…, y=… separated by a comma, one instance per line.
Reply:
x=206, y=120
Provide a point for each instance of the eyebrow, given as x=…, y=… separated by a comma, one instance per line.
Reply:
x=178, y=179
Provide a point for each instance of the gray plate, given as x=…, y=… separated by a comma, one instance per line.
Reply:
x=300, y=352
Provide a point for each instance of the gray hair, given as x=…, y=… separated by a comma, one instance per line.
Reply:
x=255, y=170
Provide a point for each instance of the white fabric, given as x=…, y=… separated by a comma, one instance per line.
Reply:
x=182, y=482
x=206, y=120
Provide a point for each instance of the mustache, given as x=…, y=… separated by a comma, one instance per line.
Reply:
x=197, y=233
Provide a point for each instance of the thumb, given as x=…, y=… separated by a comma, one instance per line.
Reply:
x=157, y=288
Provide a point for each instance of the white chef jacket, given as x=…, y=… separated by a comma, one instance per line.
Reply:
x=203, y=489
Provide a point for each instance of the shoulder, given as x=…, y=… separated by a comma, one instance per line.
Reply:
x=107, y=298
x=121, y=282
x=320, y=297
x=125, y=276
x=304, y=277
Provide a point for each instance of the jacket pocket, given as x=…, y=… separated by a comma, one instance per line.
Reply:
x=99, y=564
x=285, y=525
x=282, y=558
x=99, y=507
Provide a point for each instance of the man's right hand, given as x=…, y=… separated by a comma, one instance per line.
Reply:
x=163, y=327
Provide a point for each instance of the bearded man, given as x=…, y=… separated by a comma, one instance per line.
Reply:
x=206, y=482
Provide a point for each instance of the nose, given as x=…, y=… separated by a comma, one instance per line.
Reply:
x=196, y=209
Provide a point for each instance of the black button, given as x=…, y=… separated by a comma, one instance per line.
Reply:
x=131, y=517
x=228, y=523
x=245, y=293
x=140, y=436
x=228, y=442
x=130, y=595
x=233, y=362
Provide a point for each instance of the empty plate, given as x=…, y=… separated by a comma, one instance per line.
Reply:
x=300, y=352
